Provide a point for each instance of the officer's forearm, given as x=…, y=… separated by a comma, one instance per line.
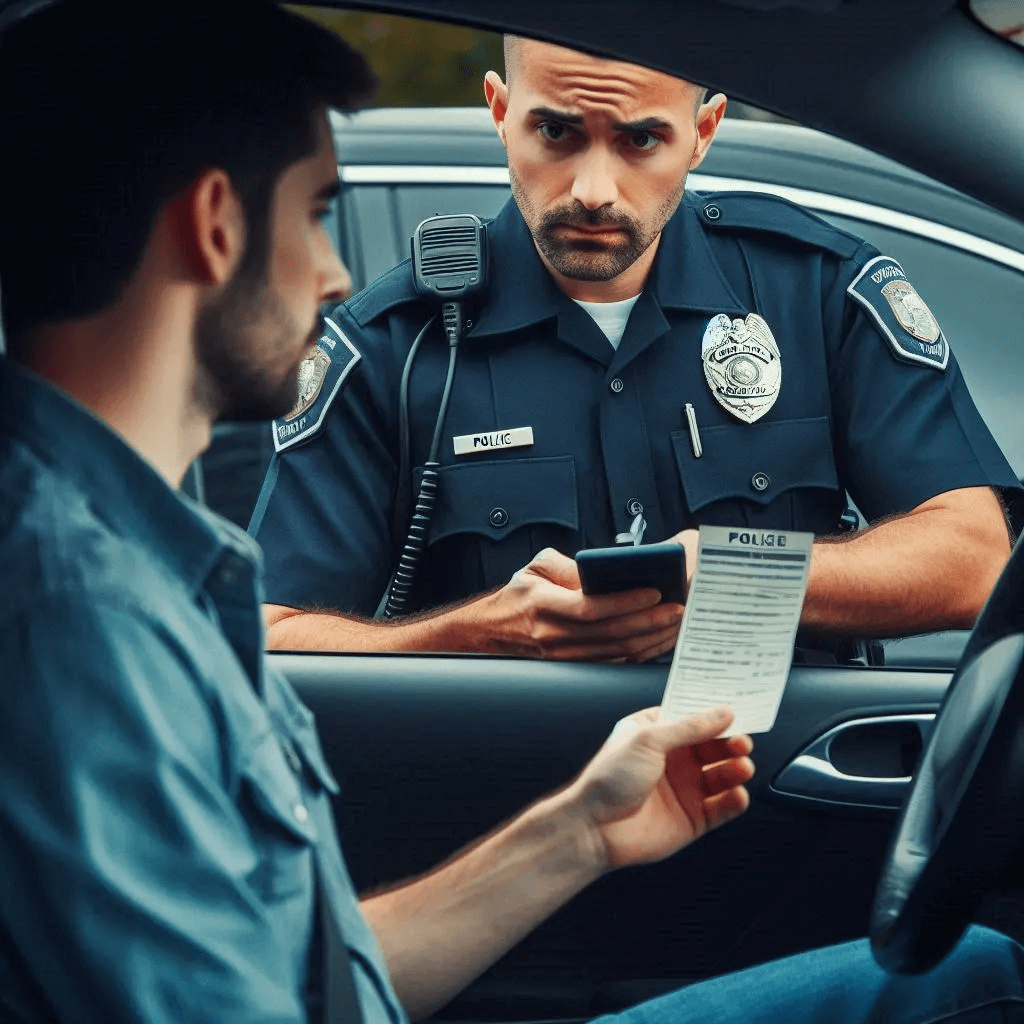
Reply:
x=930, y=569
x=293, y=629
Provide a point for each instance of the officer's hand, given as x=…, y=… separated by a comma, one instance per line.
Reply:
x=656, y=786
x=542, y=612
x=688, y=538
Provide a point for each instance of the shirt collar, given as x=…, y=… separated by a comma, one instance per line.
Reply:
x=686, y=274
x=522, y=292
x=124, y=491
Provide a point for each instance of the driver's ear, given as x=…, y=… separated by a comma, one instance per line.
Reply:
x=709, y=116
x=211, y=227
x=496, y=92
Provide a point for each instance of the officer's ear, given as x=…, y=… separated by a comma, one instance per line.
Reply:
x=496, y=92
x=709, y=116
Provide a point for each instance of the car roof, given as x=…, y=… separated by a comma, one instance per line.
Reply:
x=917, y=80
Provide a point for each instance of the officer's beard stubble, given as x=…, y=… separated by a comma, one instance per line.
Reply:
x=597, y=259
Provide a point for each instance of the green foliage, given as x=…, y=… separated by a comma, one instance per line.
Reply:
x=419, y=63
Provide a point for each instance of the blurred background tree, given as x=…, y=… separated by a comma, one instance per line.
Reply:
x=419, y=63
x=430, y=64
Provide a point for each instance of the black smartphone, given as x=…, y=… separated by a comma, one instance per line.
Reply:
x=609, y=570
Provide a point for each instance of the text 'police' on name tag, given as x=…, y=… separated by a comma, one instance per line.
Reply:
x=517, y=437
x=735, y=645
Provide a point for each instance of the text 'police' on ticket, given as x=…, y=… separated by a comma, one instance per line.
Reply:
x=742, y=611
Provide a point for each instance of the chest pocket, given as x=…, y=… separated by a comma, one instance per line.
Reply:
x=778, y=475
x=282, y=775
x=492, y=517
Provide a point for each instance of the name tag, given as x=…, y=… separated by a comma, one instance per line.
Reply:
x=517, y=437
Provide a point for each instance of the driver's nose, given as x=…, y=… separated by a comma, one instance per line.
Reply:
x=337, y=280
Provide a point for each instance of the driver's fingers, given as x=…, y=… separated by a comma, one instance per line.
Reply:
x=726, y=774
x=723, y=807
x=689, y=731
x=739, y=744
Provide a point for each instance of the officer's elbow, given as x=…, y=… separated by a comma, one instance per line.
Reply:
x=984, y=554
x=275, y=619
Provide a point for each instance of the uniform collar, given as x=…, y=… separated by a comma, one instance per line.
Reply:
x=686, y=274
x=521, y=293
x=124, y=491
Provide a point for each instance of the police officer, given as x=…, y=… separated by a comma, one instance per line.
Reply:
x=640, y=355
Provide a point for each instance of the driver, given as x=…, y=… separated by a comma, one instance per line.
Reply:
x=655, y=357
x=167, y=846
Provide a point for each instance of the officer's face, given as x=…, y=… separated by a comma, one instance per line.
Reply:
x=598, y=154
x=251, y=341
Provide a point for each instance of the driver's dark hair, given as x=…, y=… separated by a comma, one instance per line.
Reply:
x=108, y=110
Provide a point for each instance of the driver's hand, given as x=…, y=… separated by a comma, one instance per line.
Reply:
x=656, y=786
x=542, y=612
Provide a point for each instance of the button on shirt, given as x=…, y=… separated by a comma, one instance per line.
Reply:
x=614, y=428
x=166, y=805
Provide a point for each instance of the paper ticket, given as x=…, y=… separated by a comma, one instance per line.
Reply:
x=735, y=645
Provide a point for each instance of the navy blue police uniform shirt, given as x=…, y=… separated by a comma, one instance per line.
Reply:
x=870, y=402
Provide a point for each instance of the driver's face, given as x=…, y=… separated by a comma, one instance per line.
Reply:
x=598, y=154
x=251, y=342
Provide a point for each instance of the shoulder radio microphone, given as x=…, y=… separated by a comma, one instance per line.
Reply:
x=449, y=264
x=449, y=257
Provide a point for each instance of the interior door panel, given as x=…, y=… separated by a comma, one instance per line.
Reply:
x=432, y=752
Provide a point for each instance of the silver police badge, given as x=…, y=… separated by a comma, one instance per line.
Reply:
x=742, y=365
x=312, y=373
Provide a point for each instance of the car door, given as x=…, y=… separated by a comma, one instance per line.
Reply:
x=433, y=752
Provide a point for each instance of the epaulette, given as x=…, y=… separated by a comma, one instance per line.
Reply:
x=764, y=212
x=395, y=288
x=320, y=380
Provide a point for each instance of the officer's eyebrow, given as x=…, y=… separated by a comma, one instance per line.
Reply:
x=557, y=115
x=645, y=124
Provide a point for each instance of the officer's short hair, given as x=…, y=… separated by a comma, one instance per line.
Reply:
x=108, y=110
x=510, y=48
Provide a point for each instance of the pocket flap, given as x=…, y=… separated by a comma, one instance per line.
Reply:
x=494, y=498
x=298, y=727
x=275, y=789
x=756, y=462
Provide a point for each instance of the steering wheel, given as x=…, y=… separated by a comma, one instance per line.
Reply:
x=959, y=835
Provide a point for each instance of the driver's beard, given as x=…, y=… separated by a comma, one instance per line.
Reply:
x=582, y=259
x=236, y=339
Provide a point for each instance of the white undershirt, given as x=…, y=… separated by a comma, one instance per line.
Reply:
x=611, y=317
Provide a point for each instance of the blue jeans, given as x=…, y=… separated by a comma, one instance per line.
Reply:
x=978, y=983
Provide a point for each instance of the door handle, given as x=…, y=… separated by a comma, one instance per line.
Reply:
x=854, y=763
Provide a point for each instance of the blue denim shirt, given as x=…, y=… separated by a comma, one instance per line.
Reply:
x=166, y=803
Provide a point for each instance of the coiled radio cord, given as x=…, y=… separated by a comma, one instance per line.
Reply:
x=423, y=510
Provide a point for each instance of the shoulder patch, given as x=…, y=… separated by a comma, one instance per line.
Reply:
x=764, y=212
x=905, y=320
x=320, y=380
x=395, y=288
